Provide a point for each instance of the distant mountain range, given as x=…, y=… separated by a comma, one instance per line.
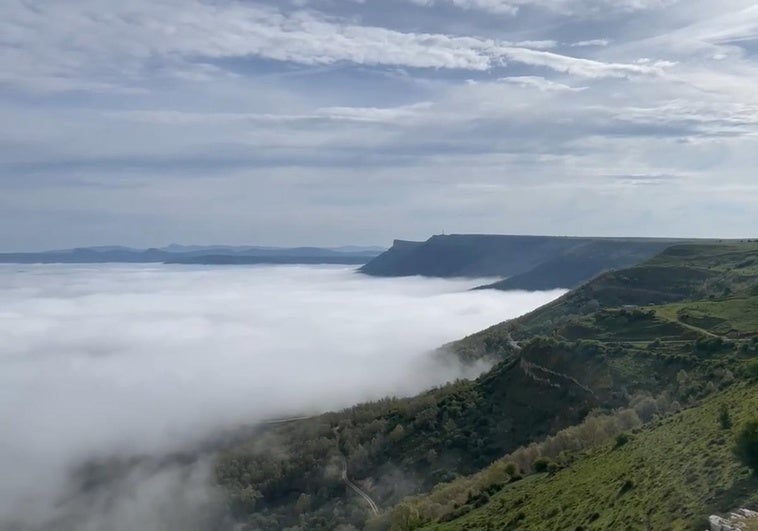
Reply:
x=197, y=254
x=527, y=262
x=524, y=262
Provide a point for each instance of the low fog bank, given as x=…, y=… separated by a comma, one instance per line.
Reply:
x=131, y=494
x=126, y=361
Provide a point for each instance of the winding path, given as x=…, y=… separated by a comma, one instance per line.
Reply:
x=360, y=492
x=374, y=507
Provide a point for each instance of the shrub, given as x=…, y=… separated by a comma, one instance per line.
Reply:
x=725, y=420
x=622, y=439
x=751, y=370
x=626, y=487
x=542, y=465
x=709, y=344
x=511, y=469
x=746, y=445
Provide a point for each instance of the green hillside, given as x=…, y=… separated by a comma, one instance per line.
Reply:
x=670, y=475
x=629, y=347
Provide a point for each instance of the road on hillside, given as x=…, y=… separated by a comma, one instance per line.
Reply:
x=374, y=507
x=372, y=504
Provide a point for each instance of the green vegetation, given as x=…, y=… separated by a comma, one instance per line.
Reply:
x=725, y=418
x=670, y=475
x=746, y=447
x=615, y=406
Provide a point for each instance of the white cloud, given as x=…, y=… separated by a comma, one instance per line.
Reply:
x=502, y=7
x=117, y=46
x=121, y=360
x=337, y=114
x=540, y=83
x=730, y=26
x=591, y=42
x=564, y=7
x=583, y=67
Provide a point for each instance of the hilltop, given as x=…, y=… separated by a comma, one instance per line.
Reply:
x=628, y=349
x=528, y=262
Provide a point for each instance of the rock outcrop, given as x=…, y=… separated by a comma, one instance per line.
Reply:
x=736, y=521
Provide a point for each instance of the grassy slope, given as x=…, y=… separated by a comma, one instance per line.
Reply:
x=669, y=476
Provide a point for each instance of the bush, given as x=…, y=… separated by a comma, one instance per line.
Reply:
x=710, y=344
x=725, y=420
x=622, y=439
x=751, y=370
x=746, y=446
x=626, y=487
x=542, y=465
x=511, y=469
x=553, y=468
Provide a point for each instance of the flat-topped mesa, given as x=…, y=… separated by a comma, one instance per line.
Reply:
x=404, y=245
x=527, y=262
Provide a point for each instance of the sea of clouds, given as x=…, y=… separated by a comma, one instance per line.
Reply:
x=99, y=362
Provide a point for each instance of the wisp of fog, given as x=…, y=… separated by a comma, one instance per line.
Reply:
x=103, y=361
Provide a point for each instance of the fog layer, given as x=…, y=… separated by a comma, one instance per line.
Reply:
x=120, y=360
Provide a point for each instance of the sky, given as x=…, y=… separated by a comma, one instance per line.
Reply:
x=101, y=363
x=329, y=122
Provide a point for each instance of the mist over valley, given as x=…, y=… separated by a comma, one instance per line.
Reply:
x=109, y=363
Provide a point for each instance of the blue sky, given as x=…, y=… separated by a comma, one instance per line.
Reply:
x=356, y=121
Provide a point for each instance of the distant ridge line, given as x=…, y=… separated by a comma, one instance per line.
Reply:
x=524, y=262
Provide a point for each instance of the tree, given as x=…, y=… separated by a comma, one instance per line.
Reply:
x=746, y=445
x=542, y=464
x=397, y=433
x=247, y=497
x=404, y=517
x=725, y=420
x=303, y=504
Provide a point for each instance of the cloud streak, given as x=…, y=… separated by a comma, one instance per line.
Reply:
x=563, y=7
x=125, y=40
